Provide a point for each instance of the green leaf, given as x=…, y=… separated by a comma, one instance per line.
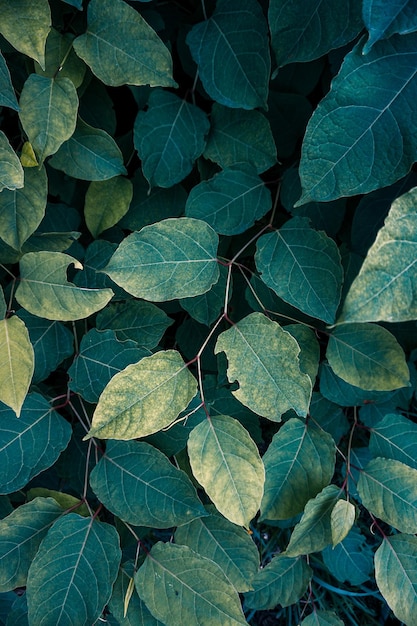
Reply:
x=61, y=58
x=359, y=140
x=22, y=210
x=136, y=482
x=230, y=202
x=239, y=137
x=310, y=348
x=206, y=308
x=338, y=391
x=263, y=358
x=395, y=437
x=383, y=20
x=26, y=24
x=120, y=47
x=7, y=94
x=30, y=444
x=226, y=462
x=385, y=286
x=303, y=31
x=179, y=587
x=341, y=520
x=169, y=136
x=229, y=546
x=299, y=463
x=282, y=582
x=388, y=488
x=351, y=560
x=17, y=363
x=232, y=53
x=65, y=500
x=106, y=202
x=48, y=112
x=303, y=267
x=74, y=551
x=395, y=574
x=21, y=533
x=11, y=170
x=90, y=154
x=322, y=618
x=367, y=356
x=148, y=265
x=144, y=398
x=137, y=614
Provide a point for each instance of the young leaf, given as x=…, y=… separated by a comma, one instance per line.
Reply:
x=136, y=482
x=45, y=291
x=263, y=358
x=351, y=560
x=322, y=618
x=75, y=550
x=26, y=24
x=179, y=586
x=144, y=398
x=148, y=265
x=303, y=267
x=383, y=20
x=232, y=53
x=17, y=363
x=7, y=94
x=341, y=520
x=106, y=202
x=11, y=170
x=121, y=48
x=299, y=463
x=395, y=437
x=226, y=462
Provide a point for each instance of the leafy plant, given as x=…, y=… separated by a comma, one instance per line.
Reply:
x=208, y=237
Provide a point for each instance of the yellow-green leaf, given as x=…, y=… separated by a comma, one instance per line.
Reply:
x=26, y=24
x=341, y=520
x=17, y=363
x=106, y=202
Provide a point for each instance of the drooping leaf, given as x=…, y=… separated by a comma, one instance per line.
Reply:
x=45, y=291
x=263, y=358
x=299, y=463
x=303, y=267
x=395, y=437
x=232, y=54
x=322, y=618
x=383, y=20
x=179, y=587
x=17, y=363
x=148, y=265
x=350, y=560
x=341, y=520
x=169, y=136
x=7, y=94
x=124, y=596
x=121, y=48
x=226, y=462
x=282, y=582
x=206, y=308
x=61, y=58
x=367, y=356
x=11, y=170
x=26, y=24
x=136, y=482
x=75, y=550
x=48, y=112
x=144, y=397
x=106, y=202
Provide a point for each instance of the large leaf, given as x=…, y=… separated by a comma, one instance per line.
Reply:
x=395, y=437
x=26, y=24
x=232, y=54
x=17, y=363
x=303, y=267
x=76, y=551
x=120, y=47
x=106, y=202
x=226, y=462
x=263, y=358
x=136, y=482
x=175, y=258
x=7, y=94
x=144, y=398
x=11, y=170
x=360, y=139
x=367, y=356
x=395, y=574
x=45, y=291
x=180, y=587
x=385, y=19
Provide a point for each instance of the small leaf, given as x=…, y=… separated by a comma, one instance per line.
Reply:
x=28, y=156
x=65, y=500
x=148, y=265
x=322, y=618
x=11, y=170
x=125, y=605
x=121, y=48
x=17, y=363
x=232, y=54
x=310, y=348
x=341, y=520
x=383, y=20
x=263, y=358
x=7, y=94
x=45, y=291
x=395, y=437
x=351, y=560
x=226, y=462
x=106, y=202
x=26, y=24
x=136, y=482
x=144, y=398
x=61, y=59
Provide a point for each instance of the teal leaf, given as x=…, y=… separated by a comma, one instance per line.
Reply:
x=30, y=444
x=11, y=170
x=136, y=482
x=179, y=587
x=169, y=136
x=136, y=614
x=90, y=154
x=395, y=437
x=299, y=463
x=232, y=54
x=322, y=618
x=106, y=202
x=45, y=291
x=338, y=391
x=121, y=48
x=26, y=24
x=351, y=560
x=3, y=305
x=148, y=265
x=97, y=256
x=359, y=140
x=310, y=348
x=383, y=20
x=7, y=94
x=17, y=363
x=206, y=308
x=263, y=358
x=48, y=113
x=75, y=550
x=231, y=202
x=303, y=267
x=60, y=59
